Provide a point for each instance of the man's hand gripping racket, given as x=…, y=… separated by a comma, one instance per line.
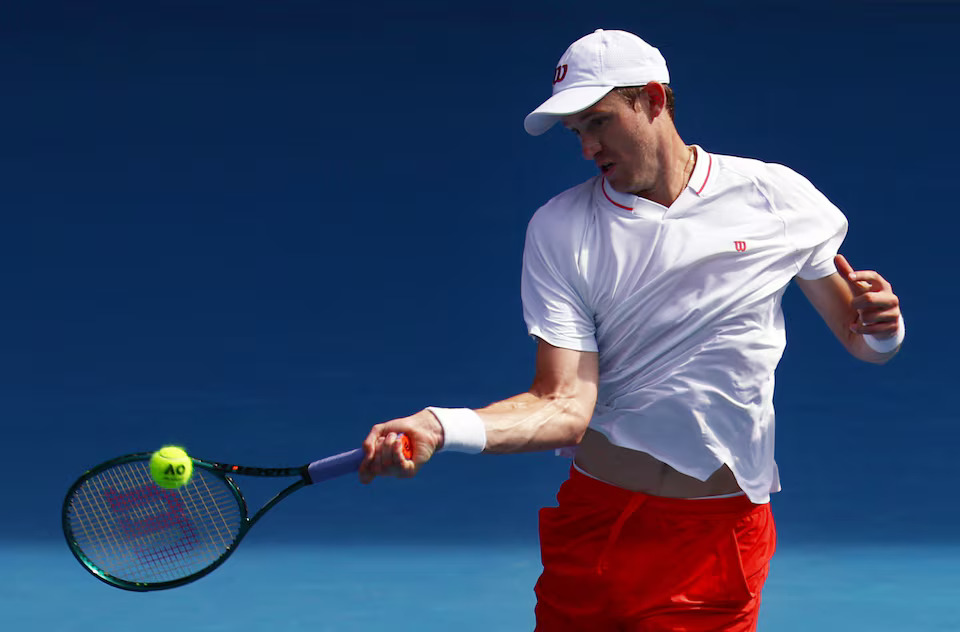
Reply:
x=133, y=534
x=386, y=454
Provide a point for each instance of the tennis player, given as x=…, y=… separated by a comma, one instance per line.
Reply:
x=653, y=291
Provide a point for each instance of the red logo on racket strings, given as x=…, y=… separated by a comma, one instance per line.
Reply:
x=149, y=510
x=560, y=74
x=741, y=246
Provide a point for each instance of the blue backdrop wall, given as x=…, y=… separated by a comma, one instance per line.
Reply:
x=255, y=229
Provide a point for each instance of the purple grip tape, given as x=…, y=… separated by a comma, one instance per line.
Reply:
x=336, y=465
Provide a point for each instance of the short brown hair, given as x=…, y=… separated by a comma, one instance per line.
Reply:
x=632, y=93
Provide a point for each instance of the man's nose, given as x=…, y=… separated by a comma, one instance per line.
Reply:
x=590, y=147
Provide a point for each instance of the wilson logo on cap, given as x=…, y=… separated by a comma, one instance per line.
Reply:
x=560, y=73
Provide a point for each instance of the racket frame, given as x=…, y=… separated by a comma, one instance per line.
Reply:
x=222, y=471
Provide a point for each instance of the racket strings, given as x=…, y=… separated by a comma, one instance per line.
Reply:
x=133, y=530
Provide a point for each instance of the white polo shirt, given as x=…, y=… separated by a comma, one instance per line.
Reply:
x=683, y=305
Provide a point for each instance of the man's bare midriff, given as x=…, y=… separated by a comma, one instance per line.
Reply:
x=640, y=472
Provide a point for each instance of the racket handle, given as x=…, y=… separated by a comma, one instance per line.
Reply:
x=336, y=465
x=345, y=462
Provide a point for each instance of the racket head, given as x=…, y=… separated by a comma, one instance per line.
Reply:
x=133, y=534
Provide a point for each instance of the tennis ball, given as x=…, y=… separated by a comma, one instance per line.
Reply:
x=171, y=467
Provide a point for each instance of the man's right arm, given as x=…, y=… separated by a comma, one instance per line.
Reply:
x=555, y=412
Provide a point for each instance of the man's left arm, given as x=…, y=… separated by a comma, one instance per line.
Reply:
x=857, y=304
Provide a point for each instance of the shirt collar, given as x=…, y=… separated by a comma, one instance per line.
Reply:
x=623, y=201
x=702, y=176
x=703, y=172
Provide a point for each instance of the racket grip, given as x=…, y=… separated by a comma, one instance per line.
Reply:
x=345, y=463
x=336, y=465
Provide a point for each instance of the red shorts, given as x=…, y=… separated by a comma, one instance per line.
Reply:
x=620, y=560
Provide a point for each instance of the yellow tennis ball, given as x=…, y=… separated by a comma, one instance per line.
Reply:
x=171, y=467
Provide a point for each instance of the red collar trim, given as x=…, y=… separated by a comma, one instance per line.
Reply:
x=701, y=171
x=707, y=177
x=603, y=187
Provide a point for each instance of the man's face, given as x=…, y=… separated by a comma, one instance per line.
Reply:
x=619, y=138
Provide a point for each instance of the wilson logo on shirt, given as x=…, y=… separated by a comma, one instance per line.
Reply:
x=741, y=246
x=560, y=74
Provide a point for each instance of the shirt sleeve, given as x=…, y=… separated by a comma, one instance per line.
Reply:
x=553, y=308
x=815, y=226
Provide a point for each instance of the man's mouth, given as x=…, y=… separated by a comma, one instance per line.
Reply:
x=606, y=167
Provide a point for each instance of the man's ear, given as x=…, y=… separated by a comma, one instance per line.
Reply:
x=656, y=98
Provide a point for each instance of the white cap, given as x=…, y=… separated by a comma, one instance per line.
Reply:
x=593, y=66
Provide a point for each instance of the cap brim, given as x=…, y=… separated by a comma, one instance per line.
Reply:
x=569, y=101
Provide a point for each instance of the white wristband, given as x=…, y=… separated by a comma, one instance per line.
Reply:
x=886, y=345
x=463, y=430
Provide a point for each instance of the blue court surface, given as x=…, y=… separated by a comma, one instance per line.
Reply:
x=469, y=589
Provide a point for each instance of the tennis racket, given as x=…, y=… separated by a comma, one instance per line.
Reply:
x=133, y=534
